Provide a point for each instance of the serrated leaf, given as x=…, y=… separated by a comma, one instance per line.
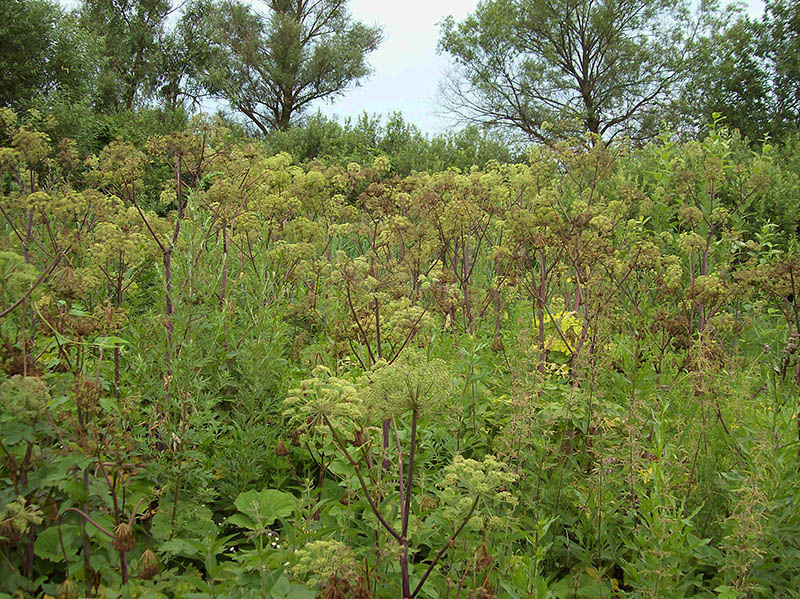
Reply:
x=47, y=545
x=14, y=432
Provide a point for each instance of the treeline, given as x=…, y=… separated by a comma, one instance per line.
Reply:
x=225, y=374
x=527, y=71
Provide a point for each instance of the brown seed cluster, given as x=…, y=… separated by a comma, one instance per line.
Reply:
x=124, y=539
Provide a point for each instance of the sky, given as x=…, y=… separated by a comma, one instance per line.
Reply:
x=407, y=69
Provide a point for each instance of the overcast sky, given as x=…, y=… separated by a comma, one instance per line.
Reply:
x=407, y=67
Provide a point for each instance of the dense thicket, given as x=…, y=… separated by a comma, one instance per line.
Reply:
x=227, y=375
x=408, y=149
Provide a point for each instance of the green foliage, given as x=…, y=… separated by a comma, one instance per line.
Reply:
x=782, y=24
x=260, y=509
x=555, y=68
x=746, y=71
x=405, y=146
x=269, y=67
x=727, y=77
x=225, y=374
x=44, y=55
x=129, y=33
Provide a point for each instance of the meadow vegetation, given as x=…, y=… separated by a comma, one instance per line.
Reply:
x=554, y=354
x=227, y=374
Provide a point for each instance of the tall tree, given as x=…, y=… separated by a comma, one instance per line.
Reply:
x=270, y=66
x=746, y=70
x=132, y=33
x=558, y=67
x=42, y=53
x=184, y=52
x=727, y=75
x=782, y=44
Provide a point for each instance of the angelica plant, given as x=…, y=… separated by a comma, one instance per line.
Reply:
x=407, y=393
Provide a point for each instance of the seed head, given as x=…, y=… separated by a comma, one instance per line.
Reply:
x=148, y=565
x=124, y=539
x=280, y=449
x=68, y=590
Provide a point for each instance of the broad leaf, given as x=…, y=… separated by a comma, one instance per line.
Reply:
x=264, y=507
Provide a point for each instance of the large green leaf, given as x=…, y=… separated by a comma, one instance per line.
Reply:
x=264, y=507
x=47, y=545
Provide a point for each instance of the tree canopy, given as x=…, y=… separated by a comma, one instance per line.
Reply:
x=547, y=67
x=727, y=76
x=131, y=34
x=271, y=65
x=43, y=53
x=782, y=24
x=542, y=70
x=744, y=70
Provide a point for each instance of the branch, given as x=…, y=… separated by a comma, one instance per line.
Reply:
x=88, y=519
x=41, y=278
x=364, y=488
x=445, y=548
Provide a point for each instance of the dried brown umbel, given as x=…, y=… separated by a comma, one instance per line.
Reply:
x=280, y=449
x=484, y=560
x=428, y=503
x=582, y=219
x=148, y=565
x=296, y=437
x=485, y=591
x=87, y=393
x=68, y=590
x=359, y=438
x=124, y=539
x=344, y=586
x=84, y=325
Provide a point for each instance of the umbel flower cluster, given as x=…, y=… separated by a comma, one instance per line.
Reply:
x=223, y=373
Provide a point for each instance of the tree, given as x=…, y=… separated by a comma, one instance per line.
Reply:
x=42, y=53
x=185, y=52
x=782, y=44
x=557, y=67
x=727, y=75
x=746, y=71
x=271, y=67
x=131, y=34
